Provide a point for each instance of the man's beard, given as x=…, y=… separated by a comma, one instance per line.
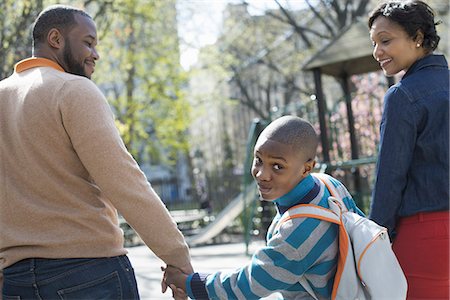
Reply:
x=73, y=67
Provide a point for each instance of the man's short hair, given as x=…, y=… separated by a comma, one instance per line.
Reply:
x=294, y=131
x=61, y=17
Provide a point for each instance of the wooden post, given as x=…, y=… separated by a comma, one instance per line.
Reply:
x=322, y=109
x=353, y=140
x=351, y=119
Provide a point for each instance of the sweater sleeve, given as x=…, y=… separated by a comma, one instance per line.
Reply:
x=89, y=123
x=196, y=286
x=302, y=245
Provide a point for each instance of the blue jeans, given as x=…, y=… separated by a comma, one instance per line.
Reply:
x=80, y=278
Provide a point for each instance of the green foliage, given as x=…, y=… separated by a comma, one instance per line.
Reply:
x=144, y=81
x=138, y=70
x=15, y=39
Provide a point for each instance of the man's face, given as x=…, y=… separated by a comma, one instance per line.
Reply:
x=277, y=168
x=79, y=53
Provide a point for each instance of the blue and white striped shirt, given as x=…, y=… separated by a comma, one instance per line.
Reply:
x=300, y=247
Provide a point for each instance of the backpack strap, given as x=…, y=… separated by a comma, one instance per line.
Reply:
x=332, y=215
x=326, y=180
x=308, y=211
x=336, y=198
x=338, y=206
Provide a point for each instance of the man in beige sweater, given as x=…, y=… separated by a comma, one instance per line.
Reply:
x=64, y=174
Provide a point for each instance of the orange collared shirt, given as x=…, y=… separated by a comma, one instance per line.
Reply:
x=33, y=62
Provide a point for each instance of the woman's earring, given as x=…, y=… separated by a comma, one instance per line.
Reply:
x=417, y=45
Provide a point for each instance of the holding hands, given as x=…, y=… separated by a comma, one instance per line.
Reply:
x=176, y=280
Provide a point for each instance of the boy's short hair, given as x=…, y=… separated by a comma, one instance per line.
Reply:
x=294, y=131
x=61, y=17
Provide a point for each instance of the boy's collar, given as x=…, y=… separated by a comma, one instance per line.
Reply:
x=34, y=62
x=305, y=191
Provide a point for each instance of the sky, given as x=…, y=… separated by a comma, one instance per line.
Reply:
x=199, y=22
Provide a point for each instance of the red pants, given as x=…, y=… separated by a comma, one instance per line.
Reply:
x=422, y=248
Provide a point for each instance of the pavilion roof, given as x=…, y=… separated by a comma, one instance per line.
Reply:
x=348, y=54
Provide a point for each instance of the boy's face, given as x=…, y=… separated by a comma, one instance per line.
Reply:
x=277, y=168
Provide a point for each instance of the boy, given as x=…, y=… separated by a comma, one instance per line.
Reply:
x=284, y=157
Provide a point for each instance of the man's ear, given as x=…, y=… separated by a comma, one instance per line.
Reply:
x=309, y=166
x=55, y=39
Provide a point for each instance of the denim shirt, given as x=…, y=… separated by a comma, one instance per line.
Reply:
x=412, y=173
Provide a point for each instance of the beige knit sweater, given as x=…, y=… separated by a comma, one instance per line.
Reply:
x=64, y=171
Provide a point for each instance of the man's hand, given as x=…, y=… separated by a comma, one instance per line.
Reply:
x=187, y=269
x=174, y=276
x=176, y=280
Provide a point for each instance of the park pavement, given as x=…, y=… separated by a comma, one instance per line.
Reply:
x=209, y=258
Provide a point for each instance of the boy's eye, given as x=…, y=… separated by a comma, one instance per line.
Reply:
x=257, y=160
x=277, y=167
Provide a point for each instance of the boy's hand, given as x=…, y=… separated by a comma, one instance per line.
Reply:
x=177, y=293
x=174, y=276
x=187, y=269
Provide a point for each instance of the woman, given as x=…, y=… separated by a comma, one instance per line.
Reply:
x=411, y=193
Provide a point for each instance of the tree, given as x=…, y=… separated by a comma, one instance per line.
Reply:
x=16, y=18
x=282, y=45
x=15, y=40
x=138, y=71
x=145, y=83
x=258, y=59
x=334, y=15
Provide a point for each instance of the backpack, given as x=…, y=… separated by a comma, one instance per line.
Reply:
x=367, y=267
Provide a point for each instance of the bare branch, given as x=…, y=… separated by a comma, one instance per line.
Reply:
x=247, y=99
x=361, y=9
x=298, y=27
x=319, y=16
x=294, y=24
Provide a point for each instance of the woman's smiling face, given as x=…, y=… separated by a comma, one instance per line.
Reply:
x=394, y=49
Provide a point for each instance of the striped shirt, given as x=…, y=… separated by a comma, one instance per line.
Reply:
x=299, y=247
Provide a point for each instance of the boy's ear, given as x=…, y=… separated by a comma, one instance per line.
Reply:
x=309, y=166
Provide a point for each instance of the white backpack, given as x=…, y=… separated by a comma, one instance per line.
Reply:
x=367, y=267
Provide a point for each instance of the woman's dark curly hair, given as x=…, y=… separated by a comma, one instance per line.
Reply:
x=412, y=16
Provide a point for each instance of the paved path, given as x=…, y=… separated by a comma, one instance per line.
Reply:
x=205, y=259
